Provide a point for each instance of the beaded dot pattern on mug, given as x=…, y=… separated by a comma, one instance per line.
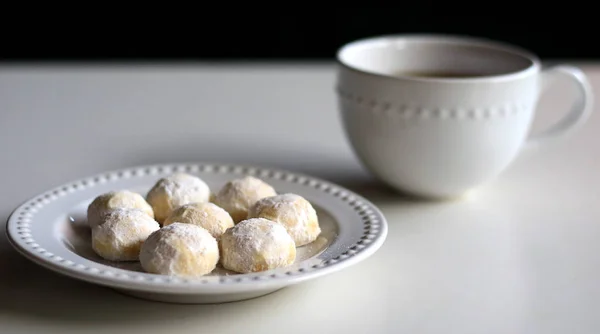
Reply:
x=413, y=111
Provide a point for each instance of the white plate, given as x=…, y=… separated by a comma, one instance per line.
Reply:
x=50, y=229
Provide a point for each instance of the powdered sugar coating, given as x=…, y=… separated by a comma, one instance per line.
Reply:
x=256, y=244
x=174, y=191
x=116, y=199
x=179, y=249
x=206, y=215
x=236, y=196
x=122, y=234
x=292, y=211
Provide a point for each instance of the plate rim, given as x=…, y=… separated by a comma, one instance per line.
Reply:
x=22, y=241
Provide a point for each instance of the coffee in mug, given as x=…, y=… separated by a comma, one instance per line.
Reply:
x=436, y=116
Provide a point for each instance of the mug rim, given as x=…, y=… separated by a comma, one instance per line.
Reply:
x=491, y=44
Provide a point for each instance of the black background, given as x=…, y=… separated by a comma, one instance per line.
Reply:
x=299, y=32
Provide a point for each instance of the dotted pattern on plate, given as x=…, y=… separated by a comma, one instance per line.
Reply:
x=370, y=219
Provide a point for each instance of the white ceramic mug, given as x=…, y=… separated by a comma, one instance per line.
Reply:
x=436, y=116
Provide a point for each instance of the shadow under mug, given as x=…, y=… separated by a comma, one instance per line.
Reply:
x=436, y=116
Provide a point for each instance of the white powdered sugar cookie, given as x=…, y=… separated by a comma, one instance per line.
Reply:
x=113, y=200
x=122, y=234
x=236, y=196
x=179, y=249
x=206, y=215
x=175, y=190
x=292, y=211
x=255, y=245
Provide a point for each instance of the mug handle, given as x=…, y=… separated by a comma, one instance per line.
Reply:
x=580, y=109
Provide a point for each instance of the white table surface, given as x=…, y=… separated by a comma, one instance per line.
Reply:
x=520, y=255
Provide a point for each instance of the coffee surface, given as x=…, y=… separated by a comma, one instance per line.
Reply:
x=441, y=74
